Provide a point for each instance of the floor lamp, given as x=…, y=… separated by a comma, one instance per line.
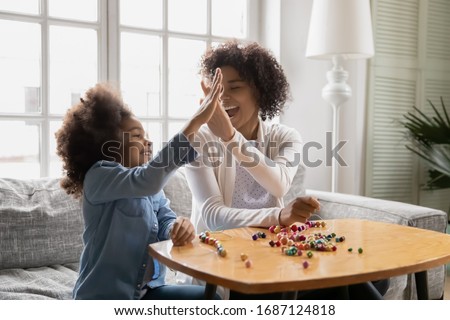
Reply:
x=339, y=30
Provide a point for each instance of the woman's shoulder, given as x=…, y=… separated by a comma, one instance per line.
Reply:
x=278, y=131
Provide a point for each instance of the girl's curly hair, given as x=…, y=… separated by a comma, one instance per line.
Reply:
x=87, y=126
x=257, y=66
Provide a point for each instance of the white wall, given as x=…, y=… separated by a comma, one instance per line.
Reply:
x=308, y=112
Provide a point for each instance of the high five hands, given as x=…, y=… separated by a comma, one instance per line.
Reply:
x=207, y=108
x=219, y=123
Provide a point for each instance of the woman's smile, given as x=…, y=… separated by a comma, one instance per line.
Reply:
x=231, y=111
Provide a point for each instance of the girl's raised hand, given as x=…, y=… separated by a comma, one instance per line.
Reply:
x=207, y=107
x=219, y=123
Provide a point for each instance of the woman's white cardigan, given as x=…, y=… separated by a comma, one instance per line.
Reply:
x=273, y=163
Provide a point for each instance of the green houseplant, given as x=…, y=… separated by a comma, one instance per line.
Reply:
x=429, y=138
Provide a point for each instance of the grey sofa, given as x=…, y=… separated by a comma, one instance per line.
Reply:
x=41, y=228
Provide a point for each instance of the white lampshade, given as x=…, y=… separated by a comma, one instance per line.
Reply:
x=340, y=27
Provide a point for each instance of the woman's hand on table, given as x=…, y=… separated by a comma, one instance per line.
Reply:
x=298, y=210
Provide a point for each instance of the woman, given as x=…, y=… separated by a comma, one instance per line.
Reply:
x=247, y=165
x=254, y=162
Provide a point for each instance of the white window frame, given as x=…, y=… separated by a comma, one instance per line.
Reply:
x=114, y=49
x=108, y=29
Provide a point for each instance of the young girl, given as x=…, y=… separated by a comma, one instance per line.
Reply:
x=106, y=162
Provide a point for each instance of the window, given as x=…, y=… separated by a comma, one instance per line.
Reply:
x=54, y=50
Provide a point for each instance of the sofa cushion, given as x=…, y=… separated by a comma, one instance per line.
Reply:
x=52, y=282
x=179, y=194
x=40, y=225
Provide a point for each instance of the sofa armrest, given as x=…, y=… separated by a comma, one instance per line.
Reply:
x=339, y=205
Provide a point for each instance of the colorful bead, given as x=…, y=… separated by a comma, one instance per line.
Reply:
x=309, y=254
x=350, y=249
x=222, y=252
x=255, y=237
x=272, y=243
x=206, y=238
x=244, y=257
x=248, y=263
x=305, y=264
x=360, y=250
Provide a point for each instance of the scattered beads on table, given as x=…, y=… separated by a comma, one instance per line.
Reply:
x=258, y=235
x=299, y=228
x=316, y=241
x=205, y=237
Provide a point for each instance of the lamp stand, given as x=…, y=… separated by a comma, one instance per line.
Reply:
x=336, y=92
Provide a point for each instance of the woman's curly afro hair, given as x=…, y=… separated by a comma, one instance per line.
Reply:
x=87, y=126
x=257, y=66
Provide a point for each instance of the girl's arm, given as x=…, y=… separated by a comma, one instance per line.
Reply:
x=179, y=229
x=166, y=218
x=108, y=181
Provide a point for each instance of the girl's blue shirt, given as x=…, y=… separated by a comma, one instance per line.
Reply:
x=125, y=210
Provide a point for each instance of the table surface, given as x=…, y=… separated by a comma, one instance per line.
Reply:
x=388, y=250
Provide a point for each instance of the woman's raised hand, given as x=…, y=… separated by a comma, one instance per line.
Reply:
x=207, y=107
x=219, y=123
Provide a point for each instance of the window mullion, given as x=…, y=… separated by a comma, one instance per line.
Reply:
x=208, y=22
x=102, y=34
x=113, y=41
x=165, y=74
x=44, y=125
